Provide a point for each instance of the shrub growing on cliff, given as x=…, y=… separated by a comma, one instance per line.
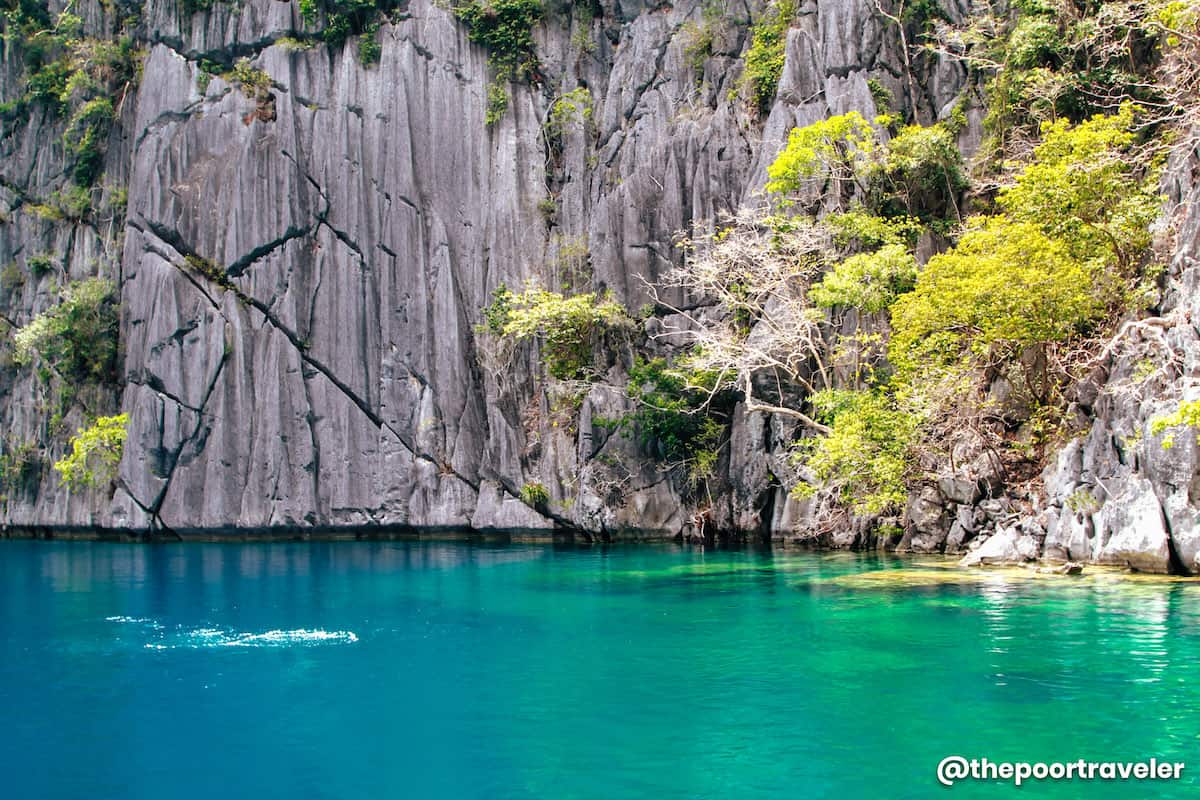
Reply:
x=1187, y=414
x=680, y=414
x=833, y=151
x=1006, y=286
x=868, y=281
x=1088, y=187
x=918, y=173
x=346, y=18
x=535, y=495
x=921, y=174
x=20, y=465
x=505, y=28
x=866, y=458
x=76, y=338
x=71, y=74
x=765, y=58
x=95, y=453
x=569, y=329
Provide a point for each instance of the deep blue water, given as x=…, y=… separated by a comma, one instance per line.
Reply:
x=454, y=670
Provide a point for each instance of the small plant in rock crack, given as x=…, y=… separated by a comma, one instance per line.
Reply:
x=535, y=495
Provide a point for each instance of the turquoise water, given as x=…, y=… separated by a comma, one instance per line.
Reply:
x=452, y=670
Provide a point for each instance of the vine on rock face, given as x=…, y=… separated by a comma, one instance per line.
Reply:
x=765, y=58
x=505, y=28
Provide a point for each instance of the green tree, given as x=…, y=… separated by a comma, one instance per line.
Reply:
x=1088, y=187
x=767, y=53
x=868, y=281
x=1006, y=286
x=833, y=151
x=569, y=329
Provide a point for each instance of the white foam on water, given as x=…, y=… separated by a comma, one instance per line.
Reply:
x=284, y=638
x=144, y=621
x=196, y=638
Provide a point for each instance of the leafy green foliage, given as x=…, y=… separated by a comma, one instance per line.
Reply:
x=255, y=83
x=95, y=453
x=571, y=109
x=698, y=36
x=1087, y=188
x=866, y=457
x=881, y=96
x=858, y=229
x=505, y=28
x=85, y=137
x=764, y=59
x=1187, y=414
x=921, y=174
x=369, y=49
x=835, y=149
x=39, y=265
x=868, y=281
x=568, y=328
x=1007, y=285
x=497, y=104
x=11, y=277
x=20, y=466
x=918, y=173
x=496, y=313
x=680, y=412
x=73, y=75
x=1053, y=63
x=76, y=338
x=535, y=495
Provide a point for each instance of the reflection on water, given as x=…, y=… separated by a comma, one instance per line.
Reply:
x=461, y=670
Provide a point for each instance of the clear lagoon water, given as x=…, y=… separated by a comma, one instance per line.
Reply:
x=459, y=670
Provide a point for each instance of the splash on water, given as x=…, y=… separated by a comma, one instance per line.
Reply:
x=202, y=637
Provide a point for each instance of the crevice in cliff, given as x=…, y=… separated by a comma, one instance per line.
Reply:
x=1175, y=565
x=189, y=440
x=230, y=53
x=155, y=384
x=238, y=267
x=168, y=117
x=172, y=239
x=175, y=240
x=158, y=526
x=311, y=419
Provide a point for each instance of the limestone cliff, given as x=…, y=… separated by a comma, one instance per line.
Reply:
x=302, y=269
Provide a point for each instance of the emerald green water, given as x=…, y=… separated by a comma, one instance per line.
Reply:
x=452, y=670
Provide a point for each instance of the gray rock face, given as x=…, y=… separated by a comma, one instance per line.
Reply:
x=302, y=277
